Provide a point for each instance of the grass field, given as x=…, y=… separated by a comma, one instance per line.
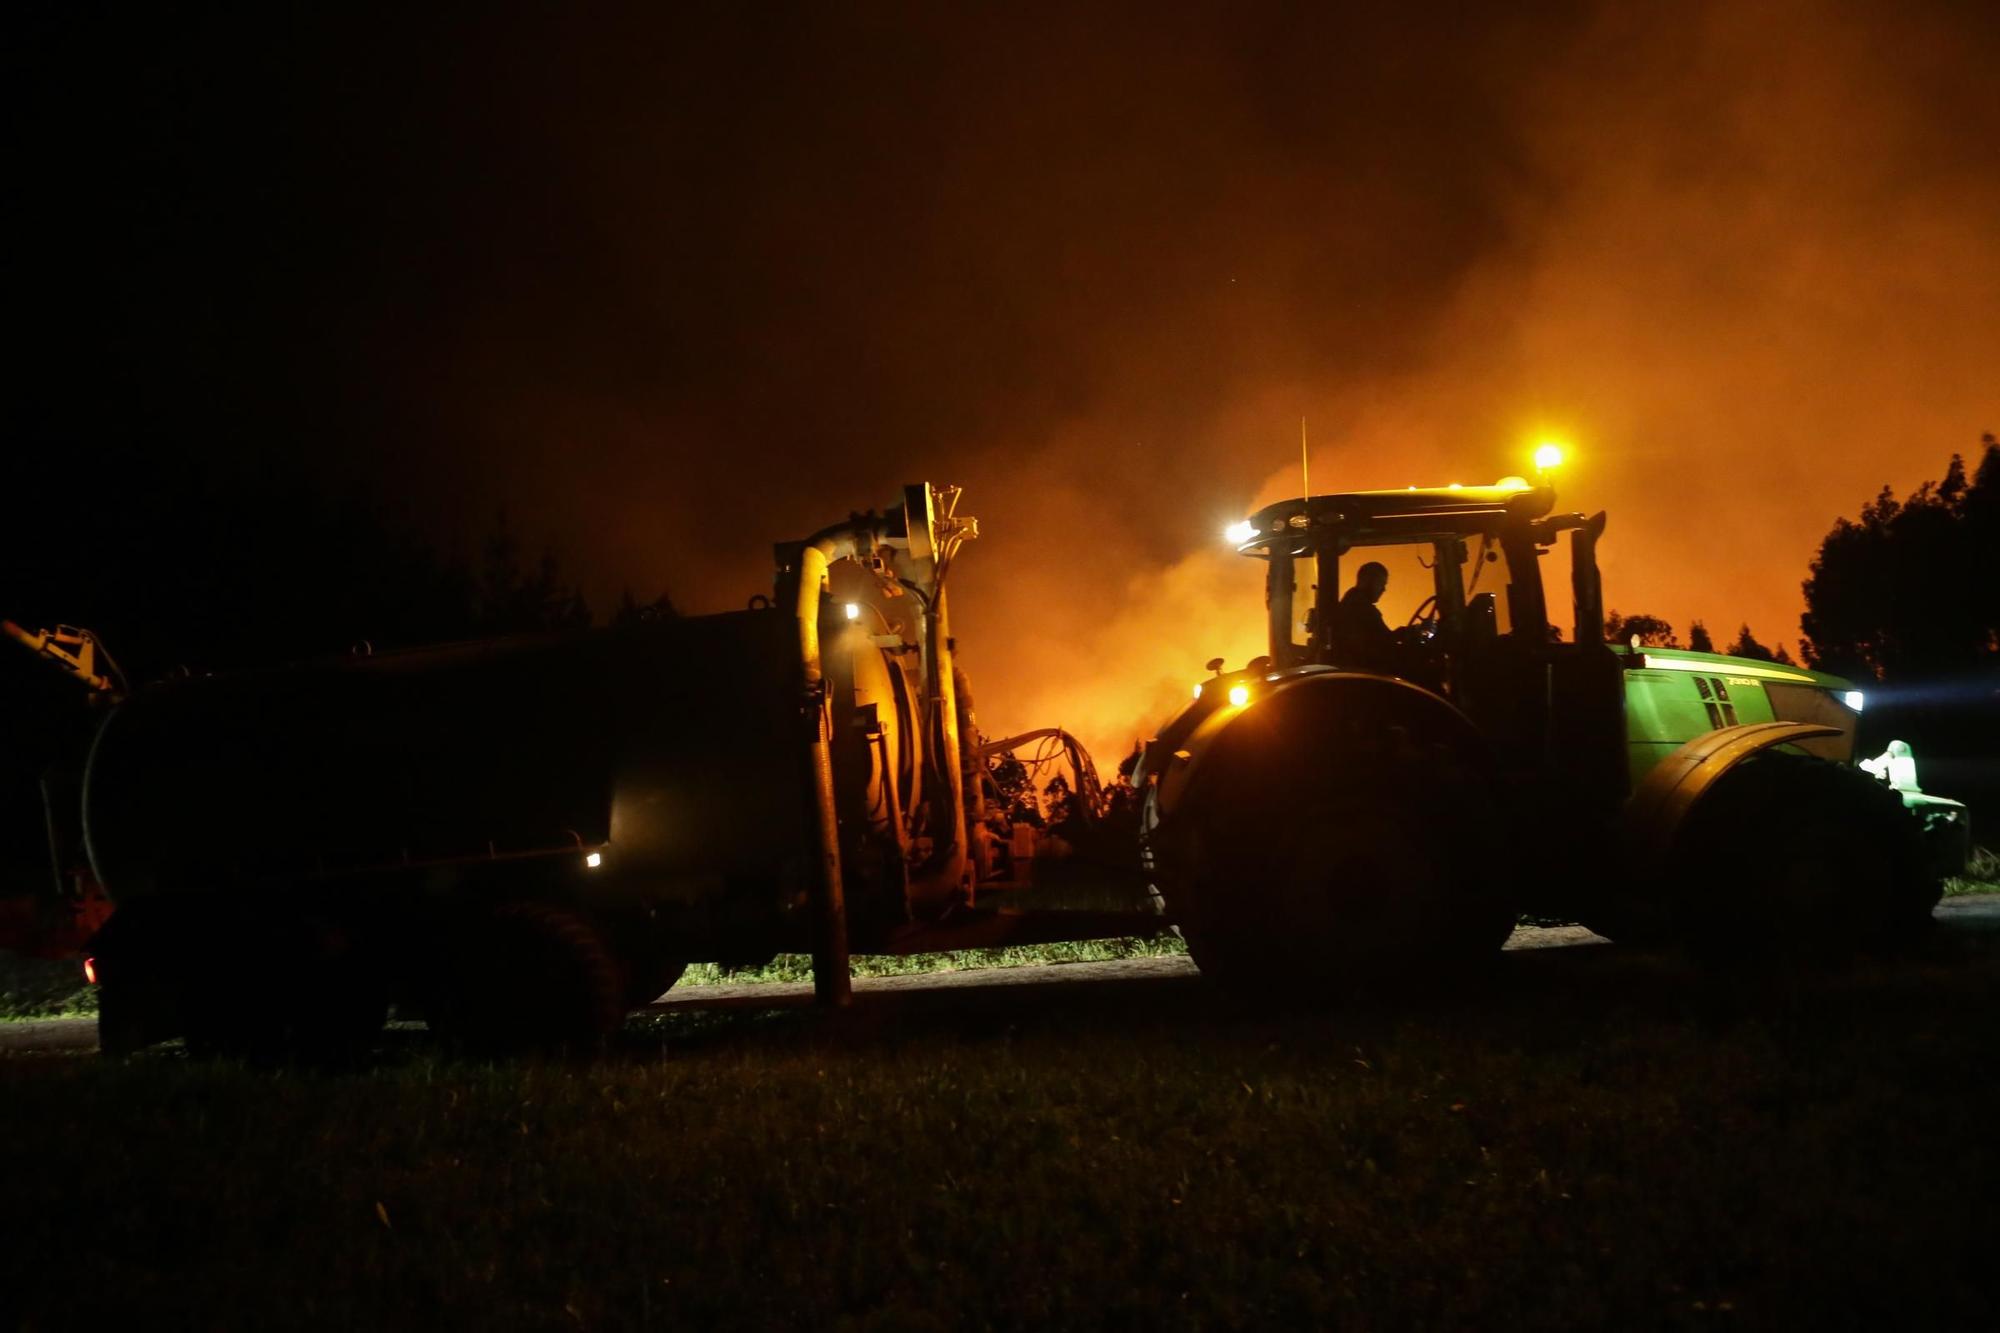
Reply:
x=798, y=966
x=33, y=988
x=1584, y=1138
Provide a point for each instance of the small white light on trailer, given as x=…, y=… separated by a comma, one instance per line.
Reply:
x=854, y=610
x=594, y=860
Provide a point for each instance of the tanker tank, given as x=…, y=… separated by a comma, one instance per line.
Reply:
x=664, y=749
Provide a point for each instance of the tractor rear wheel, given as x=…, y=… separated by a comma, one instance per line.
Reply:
x=1791, y=855
x=1316, y=888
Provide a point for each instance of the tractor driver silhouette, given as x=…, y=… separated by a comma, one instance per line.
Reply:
x=1361, y=638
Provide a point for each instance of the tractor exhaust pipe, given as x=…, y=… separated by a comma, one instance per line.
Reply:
x=1586, y=585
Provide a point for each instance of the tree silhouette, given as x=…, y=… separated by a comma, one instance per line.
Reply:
x=1059, y=802
x=1698, y=638
x=1016, y=789
x=1908, y=591
x=513, y=601
x=1746, y=645
x=1652, y=631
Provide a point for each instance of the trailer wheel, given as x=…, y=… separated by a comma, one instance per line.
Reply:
x=528, y=976
x=138, y=1004
x=1791, y=855
x=236, y=978
x=286, y=987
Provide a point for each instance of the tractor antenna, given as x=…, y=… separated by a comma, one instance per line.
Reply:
x=1305, y=466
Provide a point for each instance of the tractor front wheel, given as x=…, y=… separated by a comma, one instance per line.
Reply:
x=1790, y=855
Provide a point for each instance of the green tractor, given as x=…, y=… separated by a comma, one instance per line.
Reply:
x=1361, y=802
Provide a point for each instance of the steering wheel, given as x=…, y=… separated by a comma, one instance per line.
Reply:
x=1423, y=622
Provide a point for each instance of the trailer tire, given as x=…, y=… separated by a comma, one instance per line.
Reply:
x=1790, y=855
x=528, y=976
x=138, y=1002
x=123, y=1013
x=281, y=988
x=237, y=978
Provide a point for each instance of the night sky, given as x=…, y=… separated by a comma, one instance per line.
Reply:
x=673, y=284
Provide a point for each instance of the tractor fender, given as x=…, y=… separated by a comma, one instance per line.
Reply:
x=1385, y=698
x=1654, y=815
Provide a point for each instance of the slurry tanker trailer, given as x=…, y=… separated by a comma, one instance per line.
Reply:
x=521, y=839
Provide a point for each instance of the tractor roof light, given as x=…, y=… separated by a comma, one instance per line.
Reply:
x=594, y=860
x=853, y=610
x=1854, y=699
x=1239, y=695
x=1548, y=456
x=1239, y=532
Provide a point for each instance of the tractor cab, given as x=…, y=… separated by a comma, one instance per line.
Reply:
x=1480, y=635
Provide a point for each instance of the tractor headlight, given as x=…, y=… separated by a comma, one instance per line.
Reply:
x=1854, y=699
x=1239, y=532
x=1239, y=695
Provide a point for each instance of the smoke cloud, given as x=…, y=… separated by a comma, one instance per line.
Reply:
x=672, y=288
x=1744, y=266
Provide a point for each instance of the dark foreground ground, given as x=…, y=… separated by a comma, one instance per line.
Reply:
x=1585, y=1137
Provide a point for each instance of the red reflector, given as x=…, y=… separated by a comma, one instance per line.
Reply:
x=90, y=970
